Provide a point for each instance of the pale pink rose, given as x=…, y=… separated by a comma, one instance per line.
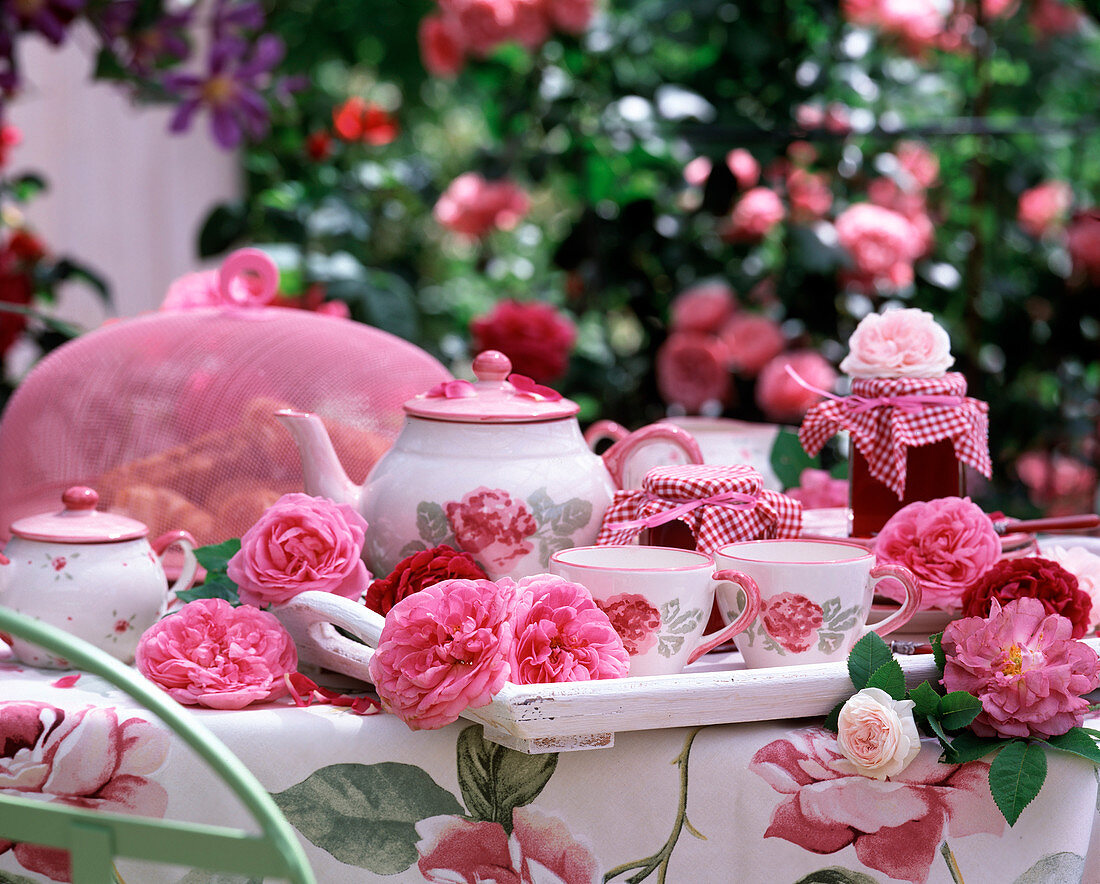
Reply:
x=1054, y=18
x=702, y=308
x=882, y=245
x=441, y=47
x=745, y=168
x=753, y=340
x=301, y=543
x=85, y=758
x=877, y=733
x=535, y=336
x=473, y=207
x=443, y=650
x=697, y=171
x=947, y=543
x=1083, y=243
x=1060, y=485
x=693, y=370
x=818, y=490
x=1043, y=209
x=753, y=216
x=562, y=635
x=782, y=398
x=911, y=204
x=896, y=827
x=919, y=163
x=570, y=16
x=540, y=850
x=492, y=526
x=1000, y=8
x=810, y=116
x=900, y=343
x=209, y=653
x=1024, y=667
x=1085, y=566
x=810, y=196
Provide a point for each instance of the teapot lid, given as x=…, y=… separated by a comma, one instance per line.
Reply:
x=496, y=397
x=79, y=522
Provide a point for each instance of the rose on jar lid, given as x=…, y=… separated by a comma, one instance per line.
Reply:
x=901, y=343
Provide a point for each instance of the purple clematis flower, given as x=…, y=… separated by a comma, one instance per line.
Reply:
x=230, y=88
x=49, y=17
x=147, y=46
x=232, y=16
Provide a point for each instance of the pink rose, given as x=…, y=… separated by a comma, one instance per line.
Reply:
x=915, y=24
x=443, y=650
x=753, y=216
x=1059, y=484
x=693, y=370
x=540, y=849
x=881, y=243
x=571, y=16
x=536, y=337
x=441, y=47
x=1085, y=566
x=818, y=490
x=1024, y=667
x=635, y=620
x=782, y=398
x=473, y=206
x=810, y=196
x=877, y=733
x=209, y=653
x=561, y=635
x=492, y=526
x=792, y=620
x=918, y=162
x=301, y=543
x=834, y=117
x=697, y=171
x=1083, y=243
x=745, y=168
x=1042, y=209
x=911, y=204
x=530, y=26
x=702, y=308
x=753, y=340
x=947, y=543
x=484, y=24
x=86, y=759
x=900, y=343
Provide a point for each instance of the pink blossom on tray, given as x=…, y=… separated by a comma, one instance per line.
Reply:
x=211, y=654
x=561, y=634
x=301, y=543
x=444, y=649
x=1024, y=667
x=947, y=543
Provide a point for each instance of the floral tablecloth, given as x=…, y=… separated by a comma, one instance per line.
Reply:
x=376, y=802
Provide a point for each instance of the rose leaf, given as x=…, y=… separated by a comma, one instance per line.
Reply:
x=836, y=875
x=215, y=558
x=1078, y=742
x=925, y=698
x=936, y=641
x=958, y=709
x=889, y=678
x=869, y=653
x=218, y=586
x=832, y=720
x=1016, y=776
x=968, y=746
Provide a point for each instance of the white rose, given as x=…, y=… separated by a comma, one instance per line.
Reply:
x=877, y=733
x=1085, y=566
x=904, y=343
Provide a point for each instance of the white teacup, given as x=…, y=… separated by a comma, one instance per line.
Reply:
x=815, y=598
x=658, y=599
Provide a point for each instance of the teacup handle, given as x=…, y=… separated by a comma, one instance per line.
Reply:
x=748, y=613
x=908, y=607
x=190, y=564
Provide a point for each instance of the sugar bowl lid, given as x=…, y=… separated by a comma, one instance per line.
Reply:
x=497, y=396
x=79, y=522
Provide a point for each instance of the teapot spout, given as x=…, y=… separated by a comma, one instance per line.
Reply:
x=321, y=470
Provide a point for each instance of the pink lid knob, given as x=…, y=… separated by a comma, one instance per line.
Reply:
x=492, y=365
x=80, y=497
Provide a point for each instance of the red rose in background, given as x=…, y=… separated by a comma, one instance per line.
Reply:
x=792, y=620
x=1035, y=578
x=10, y=137
x=692, y=370
x=473, y=206
x=318, y=146
x=422, y=569
x=18, y=256
x=490, y=524
x=536, y=337
x=359, y=120
x=1084, y=244
x=570, y=16
x=635, y=619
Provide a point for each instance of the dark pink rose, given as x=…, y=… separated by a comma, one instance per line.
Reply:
x=1059, y=484
x=209, y=653
x=301, y=543
x=441, y=47
x=492, y=526
x=1054, y=18
x=744, y=167
x=881, y=243
x=753, y=216
x=1083, y=243
x=484, y=24
x=473, y=206
x=896, y=827
x=536, y=337
x=702, y=308
x=1042, y=209
x=753, y=340
x=792, y=620
x=635, y=620
x=782, y=398
x=810, y=196
x=692, y=370
x=86, y=759
x=570, y=16
x=530, y=25
x=419, y=570
x=1030, y=577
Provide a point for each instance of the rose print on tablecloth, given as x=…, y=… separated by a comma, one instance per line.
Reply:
x=86, y=758
x=635, y=619
x=895, y=826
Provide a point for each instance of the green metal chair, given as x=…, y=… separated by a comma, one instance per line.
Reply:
x=95, y=839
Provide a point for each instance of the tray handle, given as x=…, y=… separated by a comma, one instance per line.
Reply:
x=311, y=619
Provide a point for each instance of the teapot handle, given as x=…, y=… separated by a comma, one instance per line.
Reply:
x=618, y=455
x=601, y=430
x=190, y=564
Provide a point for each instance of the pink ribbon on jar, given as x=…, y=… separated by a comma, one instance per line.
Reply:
x=727, y=500
x=910, y=403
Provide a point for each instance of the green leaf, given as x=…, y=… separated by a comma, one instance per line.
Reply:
x=836, y=875
x=572, y=516
x=869, y=653
x=10, y=878
x=1016, y=776
x=495, y=780
x=219, y=586
x=788, y=458
x=365, y=815
x=937, y=729
x=67, y=269
x=958, y=709
x=889, y=678
x=968, y=746
x=937, y=651
x=27, y=187
x=1078, y=742
x=925, y=698
x=1054, y=867
x=833, y=718
x=223, y=228
x=215, y=557
x=431, y=523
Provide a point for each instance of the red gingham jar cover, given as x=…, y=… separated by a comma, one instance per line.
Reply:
x=720, y=504
x=886, y=416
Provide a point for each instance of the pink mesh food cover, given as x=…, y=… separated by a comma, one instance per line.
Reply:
x=170, y=416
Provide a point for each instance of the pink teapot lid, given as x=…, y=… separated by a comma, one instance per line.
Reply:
x=497, y=396
x=79, y=522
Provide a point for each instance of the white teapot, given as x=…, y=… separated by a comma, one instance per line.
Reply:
x=90, y=573
x=497, y=467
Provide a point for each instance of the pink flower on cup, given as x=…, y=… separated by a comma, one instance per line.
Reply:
x=753, y=216
x=753, y=340
x=905, y=343
x=792, y=620
x=947, y=543
x=693, y=371
x=895, y=827
x=535, y=336
x=211, y=654
x=444, y=649
x=635, y=620
x=782, y=398
x=881, y=243
x=540, y=849
x=86, y=759
x=702, y=308
x=492, y=526
x=877, y=733
x=1042, y=209
x=561, y=635
x=301, y=543
x=473, y=207
x=1021, y=662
